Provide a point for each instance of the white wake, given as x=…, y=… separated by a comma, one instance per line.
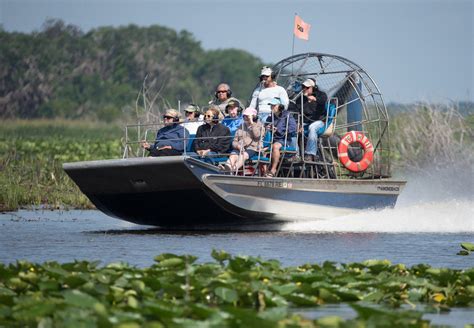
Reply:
x=434, y=202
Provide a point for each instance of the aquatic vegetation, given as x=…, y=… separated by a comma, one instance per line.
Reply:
x=233, y=291
x=31, y=157
x=467, y=248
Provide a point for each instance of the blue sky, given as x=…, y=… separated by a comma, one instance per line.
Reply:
x=414, y=50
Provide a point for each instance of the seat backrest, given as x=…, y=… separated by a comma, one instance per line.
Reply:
x=189, y=146
x=328, y=128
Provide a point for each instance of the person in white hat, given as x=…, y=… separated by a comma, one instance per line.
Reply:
x=192, y=119
x=314, y=113
x=266, y=91
x=247, y=141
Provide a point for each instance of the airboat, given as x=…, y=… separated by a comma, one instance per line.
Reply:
x=351, y=173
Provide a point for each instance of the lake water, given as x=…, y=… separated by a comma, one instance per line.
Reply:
x=427, y=226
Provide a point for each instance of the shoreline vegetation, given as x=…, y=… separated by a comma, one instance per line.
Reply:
x=232, y=291
x=32, y=152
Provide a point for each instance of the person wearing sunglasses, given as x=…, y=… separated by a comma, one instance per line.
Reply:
x=266, y=91
x=222, y=96
x=192, y=120
x=314, y=113
x=247, y=141
x=212, y=138
x=170, y=138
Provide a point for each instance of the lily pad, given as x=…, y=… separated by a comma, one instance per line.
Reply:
x=468, y=246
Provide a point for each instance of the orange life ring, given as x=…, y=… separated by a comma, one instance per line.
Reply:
x=349, y=138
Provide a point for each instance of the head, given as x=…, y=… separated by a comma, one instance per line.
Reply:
x=232, y=109
x=308, y=86
x=212, y=115
x=192, y=112
x=223, y=92
x=267, y=76
x=276, y=106
x=171, y=116
x=248, y=113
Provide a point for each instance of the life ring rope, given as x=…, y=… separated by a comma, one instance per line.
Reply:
x=352, y=137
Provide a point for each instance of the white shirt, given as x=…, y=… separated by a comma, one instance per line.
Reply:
x=193, y=126
x=263, y=96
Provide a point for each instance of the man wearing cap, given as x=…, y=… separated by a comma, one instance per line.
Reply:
x=247, y=140
x=170, y=138
x=314, y=113
x=233, y=119
x=266, y=91
x=283, y=125
x=192, y=120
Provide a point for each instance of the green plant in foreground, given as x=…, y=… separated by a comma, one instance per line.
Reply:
x=234, y=291
x=467, y=249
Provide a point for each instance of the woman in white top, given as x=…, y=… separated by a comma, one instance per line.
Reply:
x=266, y=91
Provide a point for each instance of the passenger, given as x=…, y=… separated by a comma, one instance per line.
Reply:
x=247, y=140
x=265, y=92
x=221, y=97
x=170, y=138
x=314, y=114
x=212, y=138
x=283, y=125
x=192, y=118
x=233, y=120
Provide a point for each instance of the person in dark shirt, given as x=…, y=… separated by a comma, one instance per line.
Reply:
x=170, y=138
x=283, y=125
x=212, y=138
x=314, y=113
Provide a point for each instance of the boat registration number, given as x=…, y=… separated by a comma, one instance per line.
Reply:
x=274, y=184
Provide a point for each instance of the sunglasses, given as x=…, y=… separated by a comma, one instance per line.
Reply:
x=168, y=117
x=208, y=115
x=221, y=91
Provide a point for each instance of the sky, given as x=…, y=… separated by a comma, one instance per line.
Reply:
x=418, y=50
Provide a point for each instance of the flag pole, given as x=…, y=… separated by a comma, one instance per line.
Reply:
x=293, y=46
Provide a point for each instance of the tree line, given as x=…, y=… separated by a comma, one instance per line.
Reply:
x=61, y=71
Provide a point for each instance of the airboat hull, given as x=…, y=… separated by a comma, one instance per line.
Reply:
x=183, y=191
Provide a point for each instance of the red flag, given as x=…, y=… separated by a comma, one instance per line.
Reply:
x=301, y=29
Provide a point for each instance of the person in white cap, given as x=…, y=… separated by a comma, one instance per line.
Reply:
x=170, y=138
x=314, y=113
x=247, y=141
x=266, y=91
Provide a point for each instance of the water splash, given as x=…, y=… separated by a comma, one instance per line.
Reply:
x=432, y=202
x=435, y=217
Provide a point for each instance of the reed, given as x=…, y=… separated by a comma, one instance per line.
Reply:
x=32, y=154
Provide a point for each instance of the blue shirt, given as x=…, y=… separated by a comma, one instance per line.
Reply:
x=233, y=123
x=171, y=135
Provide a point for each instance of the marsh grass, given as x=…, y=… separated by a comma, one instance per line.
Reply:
x=32, y=154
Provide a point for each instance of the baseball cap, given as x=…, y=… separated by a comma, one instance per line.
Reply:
x=249, y=111
x=275, y=101
x=192, y=108
x=233, y=103
x=267, y=71
x=309, y=83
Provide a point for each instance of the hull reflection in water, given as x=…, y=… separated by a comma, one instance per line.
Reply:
x=179, y=190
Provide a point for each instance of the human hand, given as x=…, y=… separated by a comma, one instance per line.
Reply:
x=144, y=144
x=311, y=98
x=165, y=147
